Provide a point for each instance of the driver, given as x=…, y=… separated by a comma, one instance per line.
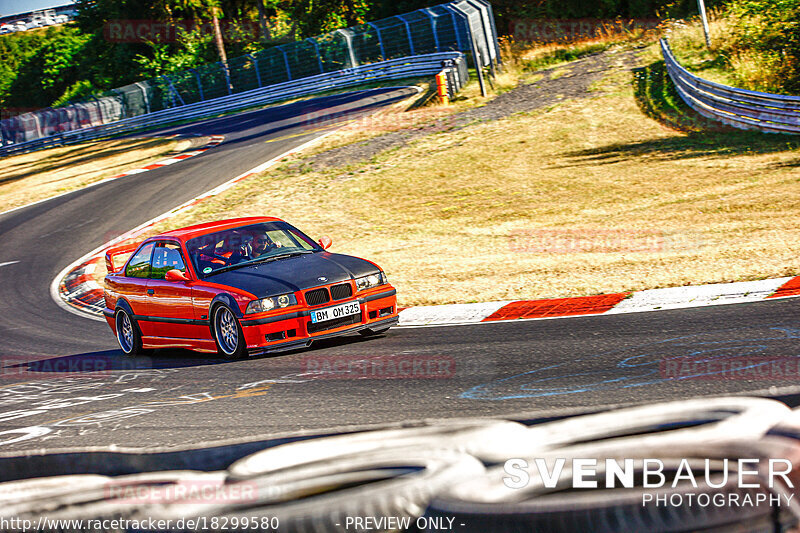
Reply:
x=261, y=245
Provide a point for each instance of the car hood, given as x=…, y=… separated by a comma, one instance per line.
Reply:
x=294, y=273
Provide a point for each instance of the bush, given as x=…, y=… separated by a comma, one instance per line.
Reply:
x=766, y=39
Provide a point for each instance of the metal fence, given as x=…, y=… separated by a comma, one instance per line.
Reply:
x=736, y=107
x=425, y=65
x=464, y=25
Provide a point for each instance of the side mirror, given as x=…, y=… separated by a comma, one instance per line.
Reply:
x=325, y=242
x=175, y=275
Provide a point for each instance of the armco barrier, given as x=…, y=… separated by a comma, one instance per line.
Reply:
x=736, y=107
x=423, y=65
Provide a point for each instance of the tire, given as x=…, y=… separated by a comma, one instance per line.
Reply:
x=228, y=333
x=484, y=439
x=128, y=335
x=94, y=497
x=320, y=496
x=372, y=332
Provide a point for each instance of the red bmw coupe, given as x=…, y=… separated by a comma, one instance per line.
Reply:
x=240, y=287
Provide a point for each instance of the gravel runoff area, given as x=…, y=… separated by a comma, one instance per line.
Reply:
x=527, y=97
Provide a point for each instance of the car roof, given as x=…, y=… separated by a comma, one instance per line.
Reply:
x=190, y=232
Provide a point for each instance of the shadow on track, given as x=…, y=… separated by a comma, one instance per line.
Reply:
x=91, y=364
x=98, y=363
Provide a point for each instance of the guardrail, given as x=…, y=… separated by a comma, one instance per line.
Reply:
x=750, y=110
x=422, y=65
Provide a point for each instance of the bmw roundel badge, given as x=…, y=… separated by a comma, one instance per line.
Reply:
x=322, y=278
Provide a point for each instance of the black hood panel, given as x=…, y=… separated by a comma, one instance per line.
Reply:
x=294, y=273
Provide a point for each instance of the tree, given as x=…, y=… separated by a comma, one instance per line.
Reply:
x=44, y=75
x=321, y=16
x=201, y=9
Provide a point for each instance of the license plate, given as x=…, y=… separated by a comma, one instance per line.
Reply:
x=330, y=313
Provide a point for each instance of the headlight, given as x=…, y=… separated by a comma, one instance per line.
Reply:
x=268, y=304
x=373, y=280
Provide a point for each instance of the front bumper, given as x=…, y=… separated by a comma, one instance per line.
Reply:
x=305, y=342
x=291, y=330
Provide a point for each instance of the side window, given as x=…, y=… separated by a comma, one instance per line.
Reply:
x=167, y=256
x=139, y=265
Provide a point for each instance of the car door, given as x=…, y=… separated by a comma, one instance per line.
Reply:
x=170, y=302
x=132, y=285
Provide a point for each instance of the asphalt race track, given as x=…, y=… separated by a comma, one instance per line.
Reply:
x=63, y=382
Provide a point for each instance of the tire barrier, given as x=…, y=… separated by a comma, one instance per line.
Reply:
x=320, y=497
x=485, y=439
x=416, y=477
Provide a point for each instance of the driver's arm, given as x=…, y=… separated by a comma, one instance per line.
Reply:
x=244, y=253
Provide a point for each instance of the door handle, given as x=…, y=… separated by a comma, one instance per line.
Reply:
x=150, y=291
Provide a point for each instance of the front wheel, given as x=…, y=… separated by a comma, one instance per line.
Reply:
x=228, y=333
x=128, y=336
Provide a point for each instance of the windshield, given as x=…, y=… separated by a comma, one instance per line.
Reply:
x=232, y=248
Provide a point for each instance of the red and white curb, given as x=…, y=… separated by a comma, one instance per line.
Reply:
x=624, y=302
x=212, y=142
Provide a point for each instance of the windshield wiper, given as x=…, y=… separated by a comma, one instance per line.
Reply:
x=259, y=260
x=282, y=256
